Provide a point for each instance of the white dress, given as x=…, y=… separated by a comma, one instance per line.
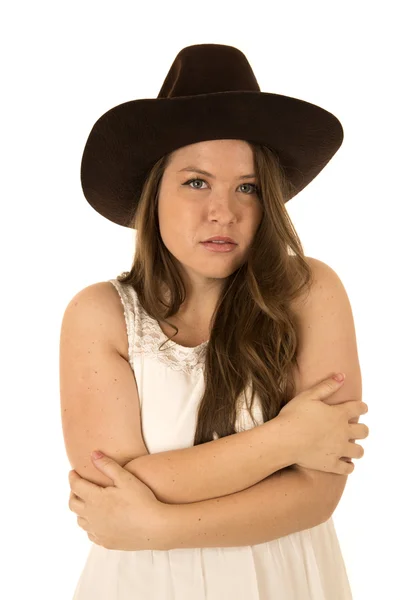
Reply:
x=307, y=565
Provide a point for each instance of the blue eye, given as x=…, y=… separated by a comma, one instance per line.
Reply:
x=191, y=181
x=255, y=187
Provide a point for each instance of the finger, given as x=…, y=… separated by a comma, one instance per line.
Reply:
x=345, y=467
x=354, y=450
x=93, y=539
x=359, y=431
x=324, y=388
x=73, y=495
x=76, y=505
x=83, y=523
x=355, y=408
x=80, y=486
x=349, y=468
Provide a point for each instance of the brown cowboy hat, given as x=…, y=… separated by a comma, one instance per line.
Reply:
x=209, y=93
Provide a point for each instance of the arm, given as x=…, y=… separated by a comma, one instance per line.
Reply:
x=296, y=499
x=327, y=343
x=286, y=502
x=100, y=409
x=216, y=468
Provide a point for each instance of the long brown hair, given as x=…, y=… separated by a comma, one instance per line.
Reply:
x=253, y=338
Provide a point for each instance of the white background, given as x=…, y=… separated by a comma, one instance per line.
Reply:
x=66, y=63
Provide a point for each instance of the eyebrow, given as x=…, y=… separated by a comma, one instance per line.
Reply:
x=196, y=170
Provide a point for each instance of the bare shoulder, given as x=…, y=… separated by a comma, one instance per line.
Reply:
x=327, y=341
x=320, y=268
x=325, y=283
x=101, y=301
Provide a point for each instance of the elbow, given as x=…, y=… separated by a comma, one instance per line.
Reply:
x=330, y=494
x=337, y=494
x=326, y=491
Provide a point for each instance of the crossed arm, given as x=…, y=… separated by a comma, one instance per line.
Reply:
x=291, y=499
x=287, y=501
x=208, y=502
x=254, y=507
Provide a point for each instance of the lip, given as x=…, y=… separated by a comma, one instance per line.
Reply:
x=218, y=247
x=220, y=238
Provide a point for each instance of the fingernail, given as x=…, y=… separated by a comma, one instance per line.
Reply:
x=339, y=376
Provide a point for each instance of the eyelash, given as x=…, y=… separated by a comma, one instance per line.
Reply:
x=255, y=187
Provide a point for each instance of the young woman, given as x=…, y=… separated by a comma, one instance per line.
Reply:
x=205, y=372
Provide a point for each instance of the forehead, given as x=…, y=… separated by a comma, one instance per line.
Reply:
x=213, y=153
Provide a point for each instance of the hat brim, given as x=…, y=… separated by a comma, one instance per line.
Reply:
x=127, y=140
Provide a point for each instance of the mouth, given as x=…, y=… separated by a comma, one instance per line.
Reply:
x=220, y=243
x=219, y=247
x=220, y=240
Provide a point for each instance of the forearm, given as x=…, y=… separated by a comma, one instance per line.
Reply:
x=217, y=468
x=284, y=503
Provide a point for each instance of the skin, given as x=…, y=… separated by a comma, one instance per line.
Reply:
x=114, y=516
x=189, y=214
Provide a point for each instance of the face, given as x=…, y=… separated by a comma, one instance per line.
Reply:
x=223, y=203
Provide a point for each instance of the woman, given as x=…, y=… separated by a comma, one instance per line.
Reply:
x=199, y=370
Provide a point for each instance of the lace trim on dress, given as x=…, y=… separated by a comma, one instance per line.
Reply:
x=148, y=338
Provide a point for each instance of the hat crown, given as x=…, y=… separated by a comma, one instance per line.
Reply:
x=209, y=93
x=208, y=69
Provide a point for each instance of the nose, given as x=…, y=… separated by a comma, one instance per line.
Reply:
x=222, y=207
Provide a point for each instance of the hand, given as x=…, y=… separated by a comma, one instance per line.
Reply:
x=322, y=432
x=123, y=516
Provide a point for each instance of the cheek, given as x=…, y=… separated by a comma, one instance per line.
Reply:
x=179, y=233
x=183, y=226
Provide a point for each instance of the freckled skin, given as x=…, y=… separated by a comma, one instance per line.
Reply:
x=189, y=214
